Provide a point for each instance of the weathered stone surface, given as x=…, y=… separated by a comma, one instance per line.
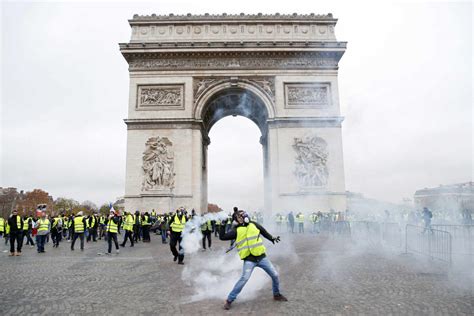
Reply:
x=280, y=71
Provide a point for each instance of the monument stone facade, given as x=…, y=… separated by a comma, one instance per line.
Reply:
x=187, y=72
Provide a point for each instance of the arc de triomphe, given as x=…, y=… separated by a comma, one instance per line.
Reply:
x=187, y=72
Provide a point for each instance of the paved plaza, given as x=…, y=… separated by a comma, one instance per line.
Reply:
x=319, y=275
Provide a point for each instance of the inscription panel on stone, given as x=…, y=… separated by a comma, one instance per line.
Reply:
x=307, y=95
x=160, y=97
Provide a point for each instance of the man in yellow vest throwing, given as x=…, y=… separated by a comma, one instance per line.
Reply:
x=252, y=252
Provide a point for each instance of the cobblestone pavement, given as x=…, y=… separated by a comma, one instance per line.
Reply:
x=319, y=275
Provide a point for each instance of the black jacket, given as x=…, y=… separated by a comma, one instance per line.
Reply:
x=232, y=234
x=12, y=221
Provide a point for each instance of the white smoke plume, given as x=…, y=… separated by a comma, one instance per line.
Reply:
x=213, y=274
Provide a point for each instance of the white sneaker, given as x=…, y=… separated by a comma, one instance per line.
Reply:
x=117, y=251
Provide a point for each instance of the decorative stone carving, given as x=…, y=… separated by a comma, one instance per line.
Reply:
x=226, y=63
x=225, y=27
x=160, y=96
x=158, y=165
x=266, y=84
x=307, y=95
x=311, y=168
x=200, y=85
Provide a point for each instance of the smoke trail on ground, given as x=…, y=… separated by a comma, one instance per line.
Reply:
x=213, y=274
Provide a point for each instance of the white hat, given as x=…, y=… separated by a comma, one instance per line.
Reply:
x=80, y=213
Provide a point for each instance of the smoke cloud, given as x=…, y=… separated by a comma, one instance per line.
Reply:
x=213, y=274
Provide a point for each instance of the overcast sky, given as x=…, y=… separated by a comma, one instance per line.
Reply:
x=405, y=91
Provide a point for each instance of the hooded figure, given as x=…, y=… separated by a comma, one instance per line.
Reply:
x=252, y=251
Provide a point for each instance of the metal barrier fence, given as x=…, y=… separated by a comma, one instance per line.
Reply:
x=392, y=234
x=376, y=233
x=463, y=238
x=434, y=243
x=367, y=231
x=342, y=228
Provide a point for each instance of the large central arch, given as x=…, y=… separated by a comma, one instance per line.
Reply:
x=236, y=98
x=188, y=72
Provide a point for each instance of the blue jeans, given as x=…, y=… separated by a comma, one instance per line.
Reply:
x=40, y=239
x=163, y=235
x=266, y=265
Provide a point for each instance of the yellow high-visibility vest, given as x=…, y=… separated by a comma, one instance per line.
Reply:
x=128, y=224
x=112, y=227
x=248, y=241
x=206, y=226
x=26, y=223
x=78, y=224
x=55, y=222
x=177, y=225
x=43, y=224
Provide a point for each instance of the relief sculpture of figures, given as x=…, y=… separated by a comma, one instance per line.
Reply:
x=158, y=164
x=311, y=161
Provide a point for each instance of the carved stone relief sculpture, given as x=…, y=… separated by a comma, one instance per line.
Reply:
x=158, y=164
x=267, y=84
x=311, y=168
x=160, y=96
x=307, y=95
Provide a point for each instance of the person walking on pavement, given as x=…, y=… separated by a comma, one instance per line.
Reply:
x=27, y=228
x=164, y=228
x=146, y=223
x=206, y=230
x=44, y=226
x=93, y=225
x=56, y=228
x=137, y=227
x=78, y=225
x=427, y=216
x=300, y=221
x=128, y=227
x=112, y=230
x=252, y=252
x=176, y=224
x=101, y=226
x=2, y=227
x=15, y=224
x=291, y=221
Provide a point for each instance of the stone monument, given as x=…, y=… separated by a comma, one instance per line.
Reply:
x=187, y=72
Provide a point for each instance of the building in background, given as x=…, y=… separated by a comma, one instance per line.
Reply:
x=363, y=208
x=447, y=201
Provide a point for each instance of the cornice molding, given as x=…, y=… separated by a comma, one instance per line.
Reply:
x=232, y=17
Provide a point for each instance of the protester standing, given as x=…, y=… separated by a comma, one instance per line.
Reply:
x=128, y=227
x=112, y=230
x=79, y=225
x=16, y=233
x=44, y=226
